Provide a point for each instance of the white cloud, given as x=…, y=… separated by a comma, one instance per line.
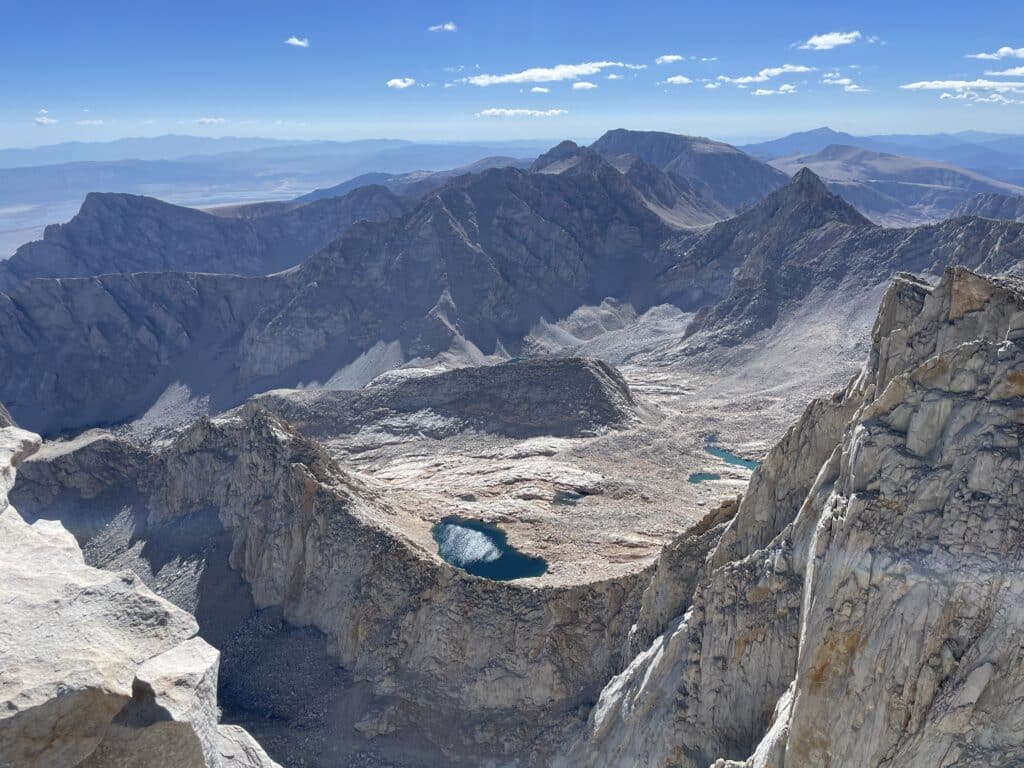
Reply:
x=44, y=111
x=668, y=58
x=448, y=26
x=400, y=82
x=782, y=90
x=551, y=74
x=830, y=40
x=963, y=85
x=614, y=76
x=678, y=80
x=298, y=42
x=43, y=118
x=833, y=78
x=1011, y=72
x=211, y=121
x=972, y=91
x=708, y=58
x=540, y=89
x=1006, y=52
x=583, y=85
x=767, y=74
x=712, y=86
x=89, y=122
x=449, y=85
x=494, y=112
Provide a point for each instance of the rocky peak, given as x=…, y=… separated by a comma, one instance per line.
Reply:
x=806, y=199
x=565, y=150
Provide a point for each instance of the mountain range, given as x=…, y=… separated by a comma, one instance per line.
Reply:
x=478, y=262
x=1000, y=156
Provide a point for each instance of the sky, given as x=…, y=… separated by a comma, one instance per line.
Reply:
x=457, y=71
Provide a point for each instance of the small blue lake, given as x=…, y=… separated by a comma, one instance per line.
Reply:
x=483, y=550
x=724, y=455
x=731, y=458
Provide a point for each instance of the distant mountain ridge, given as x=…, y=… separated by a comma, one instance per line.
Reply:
x=891, y=189
x=734, y=178
x=117, y=233
x=1000, y=156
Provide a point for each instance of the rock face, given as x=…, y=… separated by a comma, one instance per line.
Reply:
x=867, y=613
x=98, y=670
x=129, y=233
x=992, y=205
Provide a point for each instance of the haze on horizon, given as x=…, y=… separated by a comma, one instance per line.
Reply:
x=469, y=71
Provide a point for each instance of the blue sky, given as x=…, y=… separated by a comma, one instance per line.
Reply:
x=101, y=70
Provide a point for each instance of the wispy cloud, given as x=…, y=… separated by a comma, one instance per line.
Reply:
x=400, y=82
x=298, y=42
x=210, y=121
x=583, y=85
x=551, y=74
x=1006, y=52
x=503, y=112
x=712, y=86
x=961, y=85
x=678, y=80
x=43, y=118
x=448, y=26
x=540, y=89
x=972, y=91
x=1011, y=72
x=668, y=58
x=614, y=76
x=830, y=40
x=782, y=90
x=767, y=74
x=834, y=78
x=88, y=122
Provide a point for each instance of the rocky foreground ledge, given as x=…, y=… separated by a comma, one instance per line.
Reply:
x=97, y=669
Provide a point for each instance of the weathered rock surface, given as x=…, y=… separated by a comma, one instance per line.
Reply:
x=99, y=671
x=868, y=613
x=992, y=205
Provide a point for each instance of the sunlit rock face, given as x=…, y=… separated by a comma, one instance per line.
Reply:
x=863, y=608
x=98, y=670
